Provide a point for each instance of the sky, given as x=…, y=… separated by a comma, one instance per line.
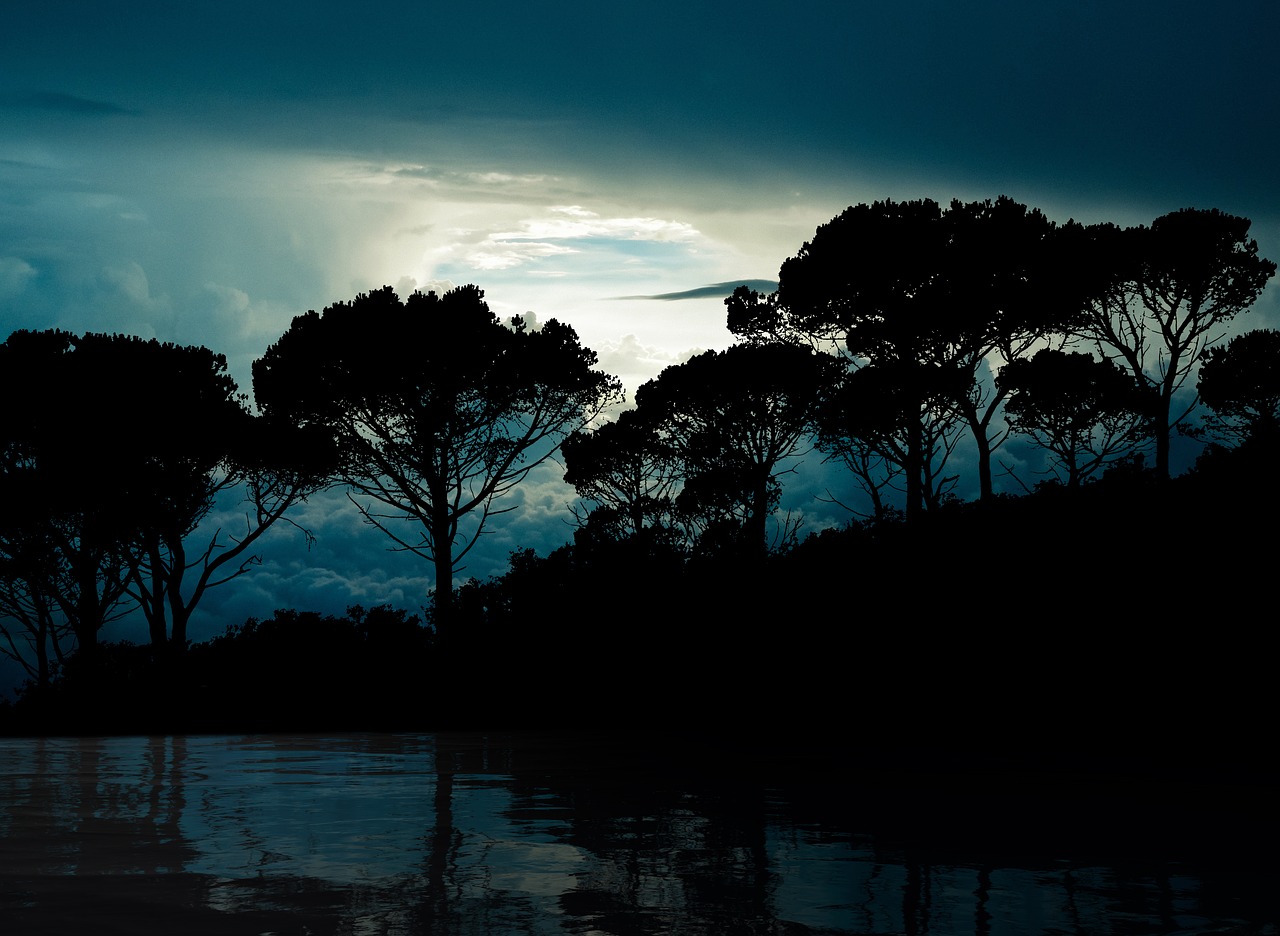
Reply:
x=203, y=172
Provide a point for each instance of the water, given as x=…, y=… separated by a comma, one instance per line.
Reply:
x=444, y=834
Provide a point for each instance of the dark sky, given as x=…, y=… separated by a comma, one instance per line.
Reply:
x=202, y=172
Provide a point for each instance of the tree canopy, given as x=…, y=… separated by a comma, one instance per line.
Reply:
x=65, y=533
x=1160, y=296
x=118, y=456
x=732, y=418
x=628, y=470
x=939, y=298
x=436, y=407
x=1083, y=411
x=1240, y=383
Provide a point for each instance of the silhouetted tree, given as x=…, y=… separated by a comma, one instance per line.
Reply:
x=874, y=414
x=1160, y=296
x=1084, y=412
x=627, y=469
x=933, y=296
x=733, y=418
x=888, y=419
x=754, y=318
x=1011, y=288
x=31, y=627
x=437, y=408
x=1240, y=383
x=71, y=489
x=32, y=632
x=203, y=445
x=131, y=501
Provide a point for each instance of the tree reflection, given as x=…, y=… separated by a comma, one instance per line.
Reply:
x=543, y=834
x=442, y=843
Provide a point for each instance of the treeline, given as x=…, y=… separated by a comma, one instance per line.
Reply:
x=1110, y=622
x=899, y=332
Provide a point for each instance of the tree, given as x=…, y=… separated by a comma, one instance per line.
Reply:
x=1084, y=412
x=866, y=284
x=437, y=409
x=273, y=466
x=732, y=418
x=1240, y=383
x=69, y=489
x=201, y=444
x=627, y=470
x=875, y=413
x=883, y=417
x=120, y=496
x=936, y=297
x=1011, y=289
x=1160, y=296
x=30, y=627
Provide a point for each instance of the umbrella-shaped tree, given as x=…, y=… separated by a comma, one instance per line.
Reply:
x=437, y=408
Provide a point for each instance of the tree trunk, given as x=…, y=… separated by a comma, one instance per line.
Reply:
x=44, y=627
x=441, y=836
x=178, y=643
x=983, y=444
x=757, y=526
x=178, y=611
x=442, y=547
x=88, y=618
x=1161, y=427
x=915, y=469
x=155, y=613
x=637, y=516
x=1073, y=470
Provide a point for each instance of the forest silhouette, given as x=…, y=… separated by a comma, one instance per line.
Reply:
x=1107, y=606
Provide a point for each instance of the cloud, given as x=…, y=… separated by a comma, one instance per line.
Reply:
x=68, y=104
x=497, y=254
x=714, y=291
x=530, y=320
x=224, y=318
x=15, y=273
x=571, y=222
x=122, y=302
x=128, y=281
x=634, y=363
x=349, y=563
x=508, y=178
x=227, y=298
x=563, y=231
x=540, y=519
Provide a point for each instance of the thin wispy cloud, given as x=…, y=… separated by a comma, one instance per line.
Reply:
x=500, y=254
x=715, y=290
x=571, y=222
x=67, y=104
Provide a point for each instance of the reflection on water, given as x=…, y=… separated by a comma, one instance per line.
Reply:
x=444, y=834
x=344, y=813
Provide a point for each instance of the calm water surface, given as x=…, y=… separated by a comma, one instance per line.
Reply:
x=388, y=834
